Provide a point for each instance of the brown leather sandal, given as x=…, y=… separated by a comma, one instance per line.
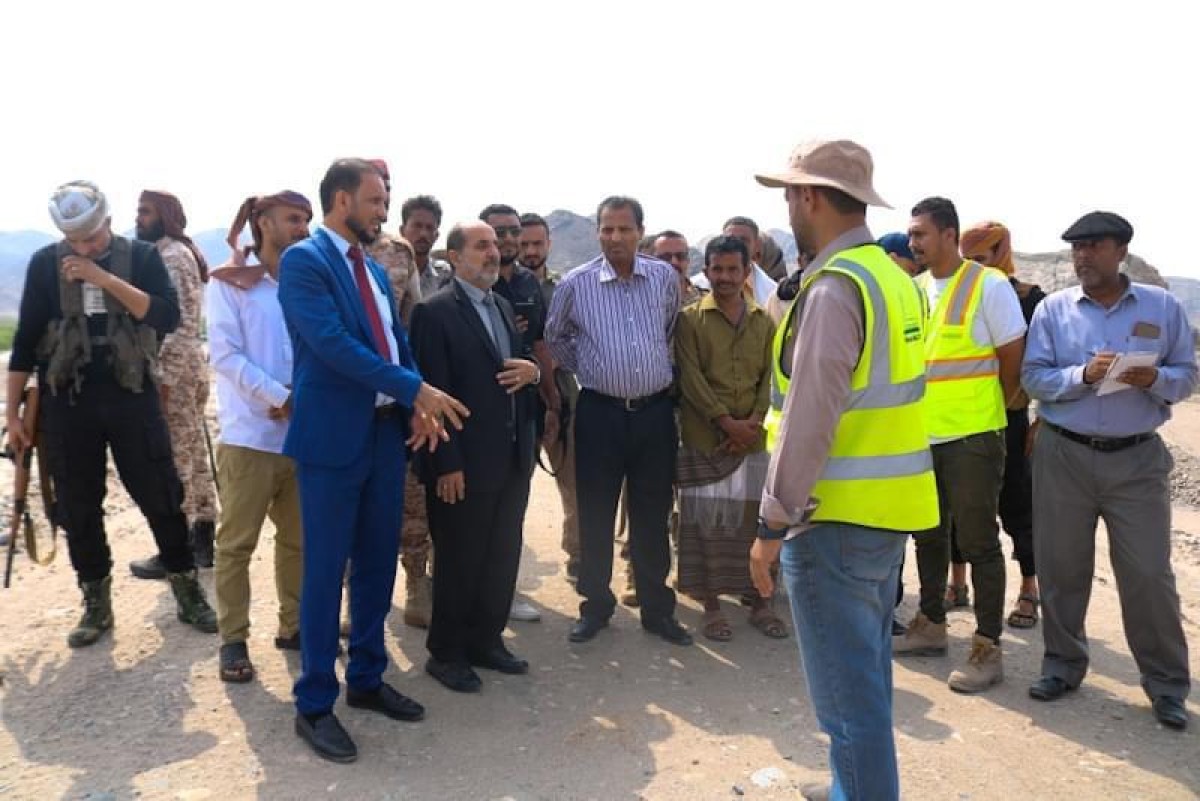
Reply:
x=716, y=626
x=235, y=664
x=765, y=620
x=1021, y=620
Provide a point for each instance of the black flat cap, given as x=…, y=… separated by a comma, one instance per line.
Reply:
x=1099, y=225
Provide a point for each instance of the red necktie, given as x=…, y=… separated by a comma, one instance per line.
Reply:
x=368, y=298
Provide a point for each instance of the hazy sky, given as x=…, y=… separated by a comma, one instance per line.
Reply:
x=1029, y=113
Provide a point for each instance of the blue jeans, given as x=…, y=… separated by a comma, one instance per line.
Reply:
x=841, y=582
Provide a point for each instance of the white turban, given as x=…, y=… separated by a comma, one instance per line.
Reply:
x=78, y=208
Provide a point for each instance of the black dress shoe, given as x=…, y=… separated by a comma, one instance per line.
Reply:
x=585, y=629
x=898, y=628
x=1049, y=688
x=669, y=629
x=288, y=643
x=1171, y=712
x=501, y=659
x=293, y=644
x=387, y=700
x=454, y=675
x=327, y=737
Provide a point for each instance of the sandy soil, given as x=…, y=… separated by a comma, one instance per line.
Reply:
x=143, y=714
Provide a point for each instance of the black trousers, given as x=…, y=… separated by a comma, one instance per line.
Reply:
x=637, y=449
x=76, y=435
x=477, y=543
x=1016, y=496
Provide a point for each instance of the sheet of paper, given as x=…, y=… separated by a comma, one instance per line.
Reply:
x=1124, y=361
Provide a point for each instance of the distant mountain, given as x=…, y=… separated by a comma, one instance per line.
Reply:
x=573, y=242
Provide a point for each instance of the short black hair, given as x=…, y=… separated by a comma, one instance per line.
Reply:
x=622, y=202
x=842, y=203
x=529, y=220
x=456, y=240
x=421, y=203
x=941, y=213
x=498, y=208
x=670, y=233
x=721, y=245
x=343, y=175
x=746, y=221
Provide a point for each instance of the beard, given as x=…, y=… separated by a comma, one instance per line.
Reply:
x=365, y=234
x=535, y=266
x=508, y=261
x=151, y=234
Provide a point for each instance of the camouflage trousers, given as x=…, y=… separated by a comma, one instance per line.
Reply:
x=184, y=411
x=416, y=546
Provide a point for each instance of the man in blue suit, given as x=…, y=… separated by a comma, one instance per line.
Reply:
x=357, y=400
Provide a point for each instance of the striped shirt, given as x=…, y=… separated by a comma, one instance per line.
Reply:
x=615, y=333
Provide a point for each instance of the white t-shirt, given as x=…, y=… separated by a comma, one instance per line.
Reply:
x=1001, y=321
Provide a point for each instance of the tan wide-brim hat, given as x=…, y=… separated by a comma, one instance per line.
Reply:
x=841, y=164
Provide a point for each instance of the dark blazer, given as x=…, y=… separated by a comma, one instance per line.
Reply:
x=336, y=371
x=456, y=354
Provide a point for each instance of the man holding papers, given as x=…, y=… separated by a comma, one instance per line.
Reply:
x=1098, y=456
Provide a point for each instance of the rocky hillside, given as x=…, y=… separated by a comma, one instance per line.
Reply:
x=573, y=239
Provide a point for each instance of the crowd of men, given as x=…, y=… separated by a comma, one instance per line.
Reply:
x=753, y=424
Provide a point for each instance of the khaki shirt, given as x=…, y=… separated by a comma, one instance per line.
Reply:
x=723, y=369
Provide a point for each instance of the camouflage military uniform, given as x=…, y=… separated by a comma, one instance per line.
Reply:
x=184, y=373
x=415, y=542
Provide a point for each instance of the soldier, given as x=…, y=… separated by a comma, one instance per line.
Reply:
x=183, y=366
x=398, y=258
x=93, y=310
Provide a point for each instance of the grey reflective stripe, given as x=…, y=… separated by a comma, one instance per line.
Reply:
x=888, y=396
x=962, y=368
x=899, y=465
x=964, y=287
x=776, y=394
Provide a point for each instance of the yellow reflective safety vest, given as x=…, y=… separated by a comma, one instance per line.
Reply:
x=879, y=472
x=963, y=395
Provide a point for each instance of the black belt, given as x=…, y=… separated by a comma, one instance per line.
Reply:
x=1102, y=444
x=387, y=411
x=629, y=404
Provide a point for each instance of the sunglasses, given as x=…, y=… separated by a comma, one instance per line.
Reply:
x=677, y=256
x=507, y=230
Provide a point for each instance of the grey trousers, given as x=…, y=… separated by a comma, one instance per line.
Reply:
x=1073, y=486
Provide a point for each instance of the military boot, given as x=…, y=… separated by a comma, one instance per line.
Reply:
x=97, y=613
x=418, y=601
x=149, y=568
x=192, y=607
x=922, y=637
x=984, y=667
x=201, y=536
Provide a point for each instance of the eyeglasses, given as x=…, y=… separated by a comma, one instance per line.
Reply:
x=507, y=230
x=677, y=256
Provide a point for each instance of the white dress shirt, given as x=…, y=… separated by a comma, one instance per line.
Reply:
x=249, y=348
x=381, y=303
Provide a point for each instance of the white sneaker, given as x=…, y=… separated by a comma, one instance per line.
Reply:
x=523, y=612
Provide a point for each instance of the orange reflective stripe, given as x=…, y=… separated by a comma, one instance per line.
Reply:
x=964, y=288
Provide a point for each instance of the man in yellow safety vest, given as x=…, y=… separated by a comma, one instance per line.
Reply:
x=973, y=353
x=851, y=473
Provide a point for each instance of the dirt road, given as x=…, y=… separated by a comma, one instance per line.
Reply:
x=143, y=715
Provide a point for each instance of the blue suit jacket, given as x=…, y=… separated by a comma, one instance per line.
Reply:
x=337, y=371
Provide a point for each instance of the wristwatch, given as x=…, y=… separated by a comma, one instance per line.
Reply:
x=765, y=532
